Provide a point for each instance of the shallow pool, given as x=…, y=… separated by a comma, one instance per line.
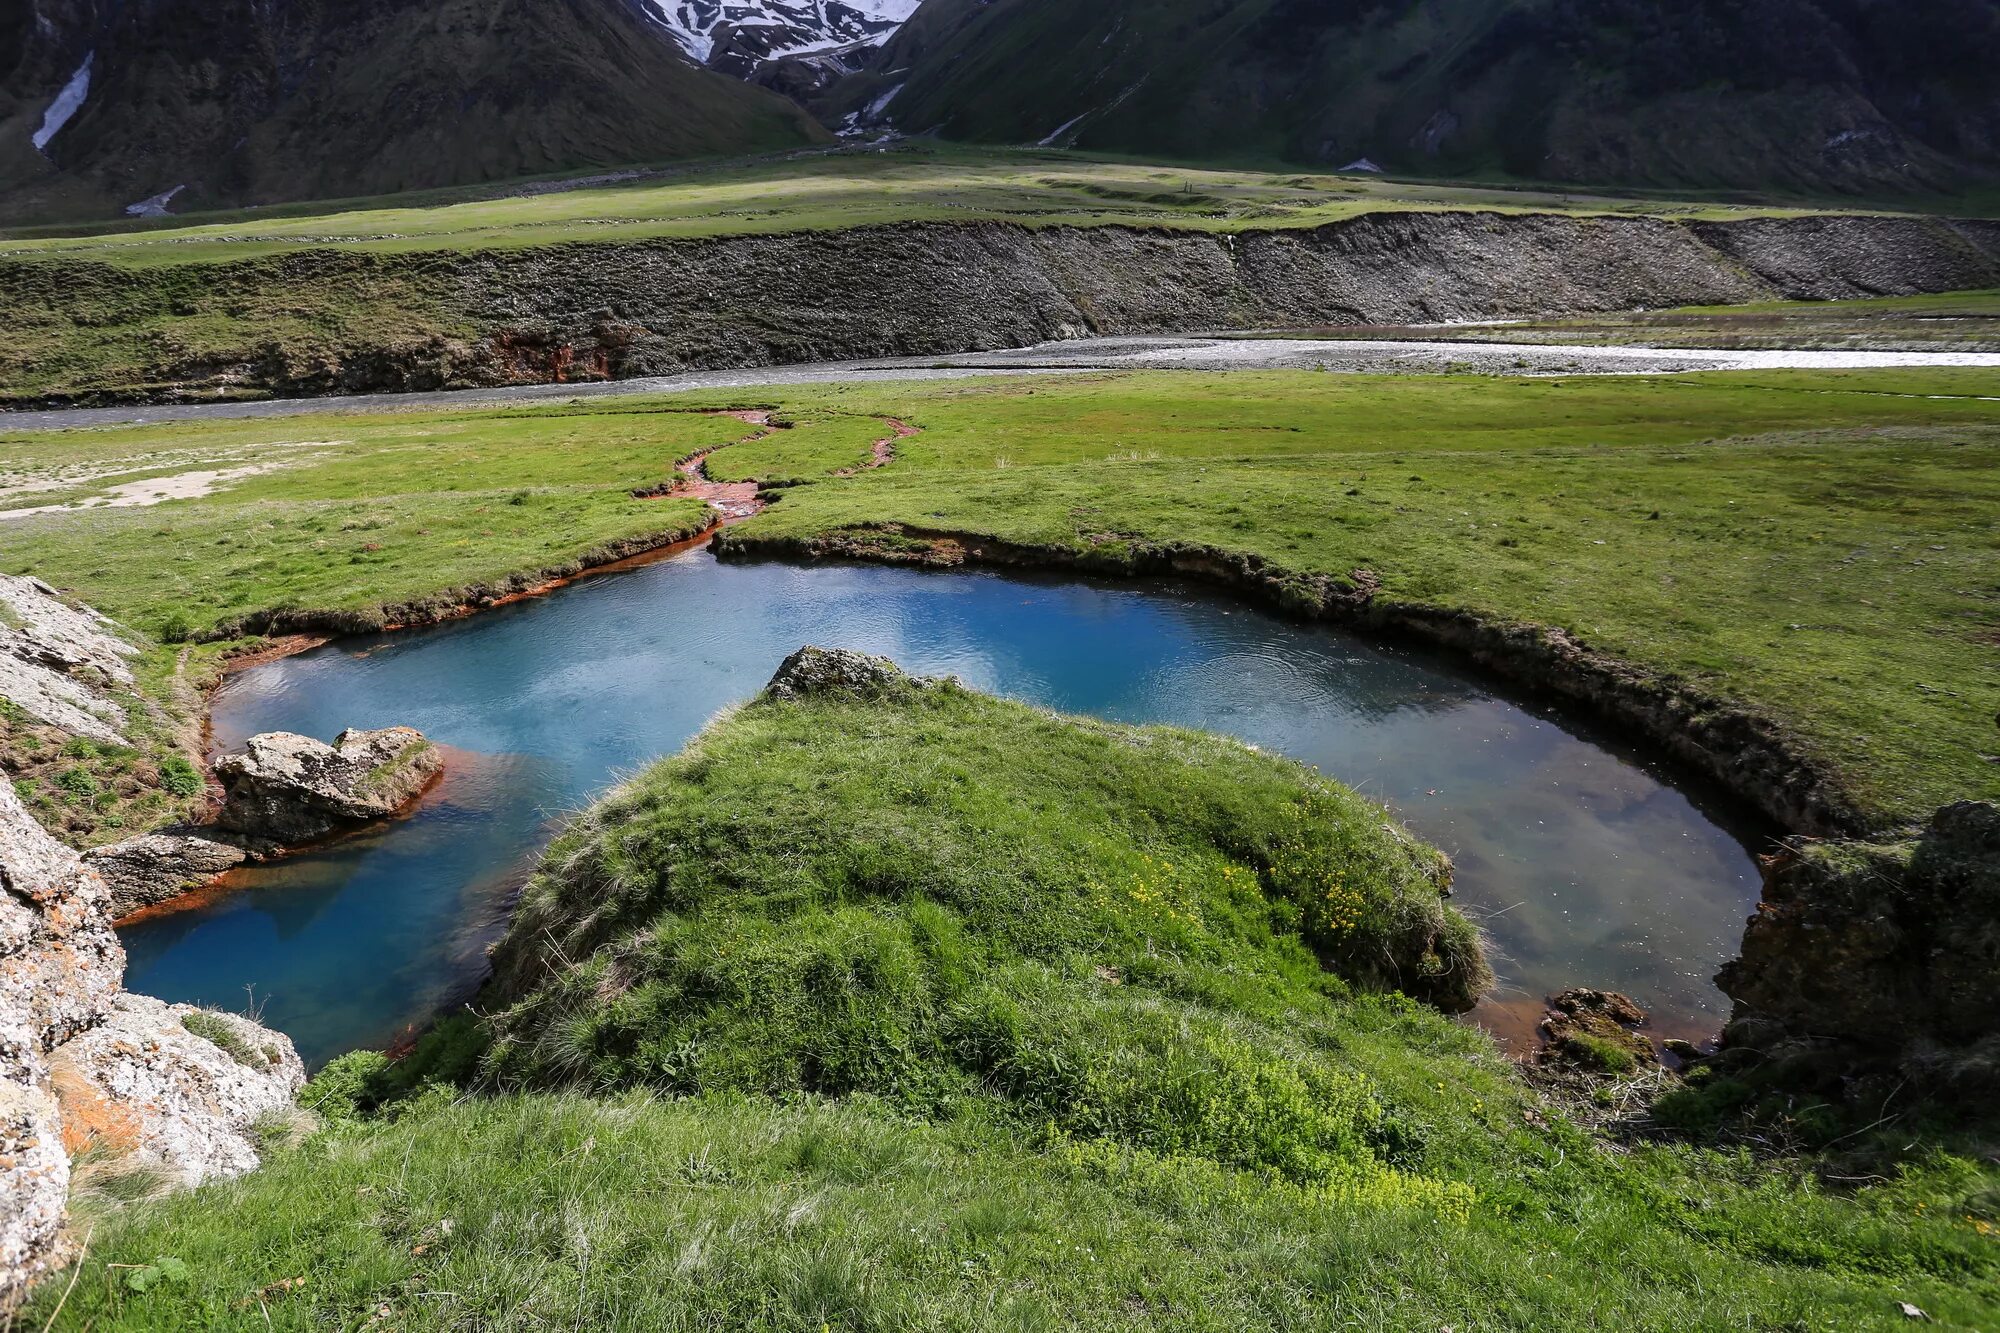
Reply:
x=1585, y=863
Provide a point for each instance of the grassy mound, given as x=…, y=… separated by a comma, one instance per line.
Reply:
x=962, y=904
x=1066, y=978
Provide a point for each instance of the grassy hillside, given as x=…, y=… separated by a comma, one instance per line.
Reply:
x=1824, y=548
x=1811, y=95
x=821, y=191
x=258, y=103
x=973, y=1057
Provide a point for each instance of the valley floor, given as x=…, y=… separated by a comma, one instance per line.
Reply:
x=842, y=1019
x=1818, y=547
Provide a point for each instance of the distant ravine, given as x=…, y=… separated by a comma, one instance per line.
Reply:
x=582, y=312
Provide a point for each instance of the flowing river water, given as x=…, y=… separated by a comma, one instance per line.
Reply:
x=1587, y=864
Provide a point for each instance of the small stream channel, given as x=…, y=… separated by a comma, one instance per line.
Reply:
x=1586, y=863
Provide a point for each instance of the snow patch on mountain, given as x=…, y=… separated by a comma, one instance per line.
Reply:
x=747, y=31
x=66, y=103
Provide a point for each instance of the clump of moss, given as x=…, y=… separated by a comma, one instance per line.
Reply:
x=219, y=1032
x=1602, y=1055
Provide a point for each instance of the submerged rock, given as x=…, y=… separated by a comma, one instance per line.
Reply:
x=1877, y=958
x=292, y=788
x=836, y=671
x=1596, y=1031
x=156, y=867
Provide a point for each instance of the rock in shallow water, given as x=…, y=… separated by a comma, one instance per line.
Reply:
x=1595, y=1031
x=292, y=788
x=819, y=671
x=155, y=867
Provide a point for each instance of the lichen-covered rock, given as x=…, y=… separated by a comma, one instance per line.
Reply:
x=41, y=627
x=82, y=1064
x=60, y=965
x=156, y=867
x=823, y=671
x=1596, y=1031
x=174, y=1086
x=292, y=788
x=56, y=660
x=1877, y=957
x=60, y=971
x=34, y=1186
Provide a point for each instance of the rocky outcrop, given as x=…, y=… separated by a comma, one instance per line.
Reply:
x=819, y=672
x=84, y=1065
x=60, y=970
x=1595, y=1032
x=1841, y=258
x=60, y=965
x=917, y=289
x=57, y=660
x=1877, y=958
x=145, y=871
x=183, y=1089
x=619, y=310
x=34, y=1184
x=292, y=789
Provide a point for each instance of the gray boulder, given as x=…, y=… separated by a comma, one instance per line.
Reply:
x=57, y=661
x=175, y=1088
x=828, y=671
x=156, y=867
x=60, y=972
x=60, y=965
x=84, y=1065
x=34, y=1185
x=293, y=789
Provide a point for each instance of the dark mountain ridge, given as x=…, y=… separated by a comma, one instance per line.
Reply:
x=261, y=101
x=1809, y=96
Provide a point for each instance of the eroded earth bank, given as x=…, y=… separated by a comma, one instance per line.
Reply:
x=321, y=321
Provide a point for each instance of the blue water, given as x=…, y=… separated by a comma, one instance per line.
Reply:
x=1586, y=865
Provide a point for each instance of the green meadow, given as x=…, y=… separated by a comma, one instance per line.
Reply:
x=1818, y=545
x=816, y=191
x=794, y=1033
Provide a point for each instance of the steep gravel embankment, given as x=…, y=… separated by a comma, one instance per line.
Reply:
x=326, y=322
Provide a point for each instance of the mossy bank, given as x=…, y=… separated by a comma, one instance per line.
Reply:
x=853, y=1016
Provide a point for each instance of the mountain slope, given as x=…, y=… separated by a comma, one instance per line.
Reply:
x=1813, y=95
x=747, y=31
x=259, y=101
x=797, y=47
